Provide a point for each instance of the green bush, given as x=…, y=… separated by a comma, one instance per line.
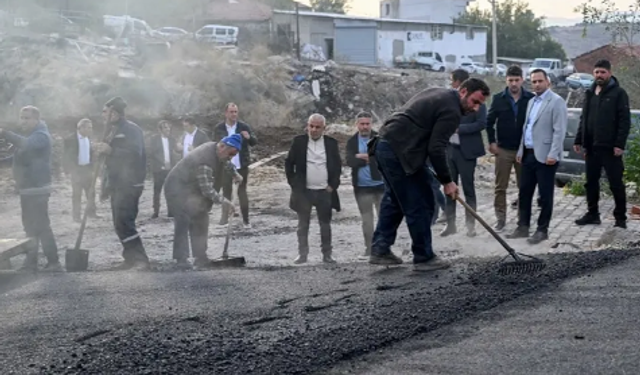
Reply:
x=576, y=186
x=632, y=158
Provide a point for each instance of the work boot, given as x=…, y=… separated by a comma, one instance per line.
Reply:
x=589, y=219
x=538, y=237
x=449, y=230
x=432, y=264
x=520, y=232
x=387, y=259
x=327, y=258
x=202, y=264
x=155, y=215
x=301, y=259
x=53, y=267
x=471, y=232
x=183, y=264
x=500, y=225
x=622, y=224
x=246, y=225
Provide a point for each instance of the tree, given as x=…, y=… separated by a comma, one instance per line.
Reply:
x=330, y=6
x=623, y=25
x=520, y=33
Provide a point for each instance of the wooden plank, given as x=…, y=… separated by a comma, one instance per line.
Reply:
x=10, y=247
x=264, y=161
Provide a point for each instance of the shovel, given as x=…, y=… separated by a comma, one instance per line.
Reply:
x=226, y=260
x=77, y=259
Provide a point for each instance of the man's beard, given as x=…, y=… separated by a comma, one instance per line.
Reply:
x=602, y=82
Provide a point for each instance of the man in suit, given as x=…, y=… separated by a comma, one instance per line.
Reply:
x=465, y=147
x=505, y=122
x=540, y=153
x=241, y=161
x=420, y=130
x=313, y=169
x=162, y=158
x=78, y=165
x=368, y=186
x=192, y=137
x=604, y=128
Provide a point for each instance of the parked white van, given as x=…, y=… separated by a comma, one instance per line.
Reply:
x=218, y=34
x=117, y=23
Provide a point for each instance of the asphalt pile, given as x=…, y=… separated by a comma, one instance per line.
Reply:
x=291, y=338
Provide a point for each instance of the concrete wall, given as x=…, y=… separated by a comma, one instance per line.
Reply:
x=453, y=47
x=313, y=30
x=438, y=11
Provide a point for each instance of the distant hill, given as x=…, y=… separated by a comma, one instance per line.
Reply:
x=575, y=43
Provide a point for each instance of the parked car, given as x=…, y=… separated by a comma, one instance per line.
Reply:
x=171, y=34
x=218, y=34
x=580, y=80
x=502, y=69
x=572, y=165
x=473, y=67
x=428, y=60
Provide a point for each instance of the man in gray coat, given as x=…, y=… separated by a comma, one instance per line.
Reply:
x=540, y=153
x=465, y=147
x=190, y=193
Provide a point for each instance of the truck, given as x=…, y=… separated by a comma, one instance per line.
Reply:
x=555, y=69
x=428, y=60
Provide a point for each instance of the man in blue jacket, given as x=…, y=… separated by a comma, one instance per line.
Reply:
x=32, y=172
x=126, y=168
x=465, y=147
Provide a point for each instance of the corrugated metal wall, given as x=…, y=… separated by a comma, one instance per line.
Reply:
x=355, y=42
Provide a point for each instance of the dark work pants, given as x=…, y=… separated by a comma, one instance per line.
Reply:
x=227, y=189
x=464, y=170
x=124, y=211
x=536, y=173
x=368, y=199
x=321, y=200
x=438, y=195
x=36, y=224
x=596, y=159
x=81, y=179
x=158, y=181
x=194, y=227
x=408, y=197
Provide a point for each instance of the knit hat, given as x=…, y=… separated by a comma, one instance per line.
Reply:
x=234, y=140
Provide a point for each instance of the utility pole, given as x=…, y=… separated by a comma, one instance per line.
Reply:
x=298, y=30
x=494, y=38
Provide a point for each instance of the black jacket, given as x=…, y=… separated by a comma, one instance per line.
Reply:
x=353, y=148
x=156, y=153
x=509, y=125
x=70, y=155
x=220, y=132
x=422, y=129
x=613, y=118
x=296, y=169
x=126, y=165
x=199, y=138
x=470, y=133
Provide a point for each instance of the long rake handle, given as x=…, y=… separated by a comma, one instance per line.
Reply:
x=486, y=226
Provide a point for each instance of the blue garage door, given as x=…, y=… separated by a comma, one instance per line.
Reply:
x=356, y=43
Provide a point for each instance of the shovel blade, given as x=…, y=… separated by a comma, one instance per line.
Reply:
x=76, y=260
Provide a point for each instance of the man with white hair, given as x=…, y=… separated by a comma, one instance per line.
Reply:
x=78, y=165
x=313, y=169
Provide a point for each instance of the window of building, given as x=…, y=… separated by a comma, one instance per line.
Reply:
x=470, y=34
x=387, y=9
x=436, y=32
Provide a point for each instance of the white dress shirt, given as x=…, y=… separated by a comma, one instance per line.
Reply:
x=535, y=107
x=231, y=129
x=84, y=150
x=187, y=142
x=167, y=152
x=317, y=174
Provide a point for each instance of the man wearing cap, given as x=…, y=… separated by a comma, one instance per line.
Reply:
x=190, y=193
x=126, y=168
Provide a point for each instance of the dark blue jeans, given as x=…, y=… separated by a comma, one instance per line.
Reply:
x=438, y=196
x=405, y=197
x=536, y=173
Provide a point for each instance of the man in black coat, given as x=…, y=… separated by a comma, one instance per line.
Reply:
x=604, y=128
x=78, y=165
x=368, y=186
x=162, y=157
x=241, y=161
x=421, y=129
x=191, y=138
x=313, y=169
x=465, y=147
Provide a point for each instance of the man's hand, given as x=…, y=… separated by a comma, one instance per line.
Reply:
x=245, y=134
x=237, y=178
x=519, y=159
x=493, y=148
x=329, y=189
x=451, y=190
x=364, y=157
x=577, y=148
x=228, y=205
x=551, y=161
x=103, y=148
x=616, y=150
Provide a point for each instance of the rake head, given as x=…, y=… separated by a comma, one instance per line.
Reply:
x=526, y=265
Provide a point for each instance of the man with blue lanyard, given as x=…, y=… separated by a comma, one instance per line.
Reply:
x=367, y=181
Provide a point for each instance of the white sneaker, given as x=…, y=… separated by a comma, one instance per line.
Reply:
x=247, y=226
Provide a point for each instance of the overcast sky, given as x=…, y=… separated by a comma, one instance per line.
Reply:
x=557, y=12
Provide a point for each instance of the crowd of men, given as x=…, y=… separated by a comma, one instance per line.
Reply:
x=429, y=144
